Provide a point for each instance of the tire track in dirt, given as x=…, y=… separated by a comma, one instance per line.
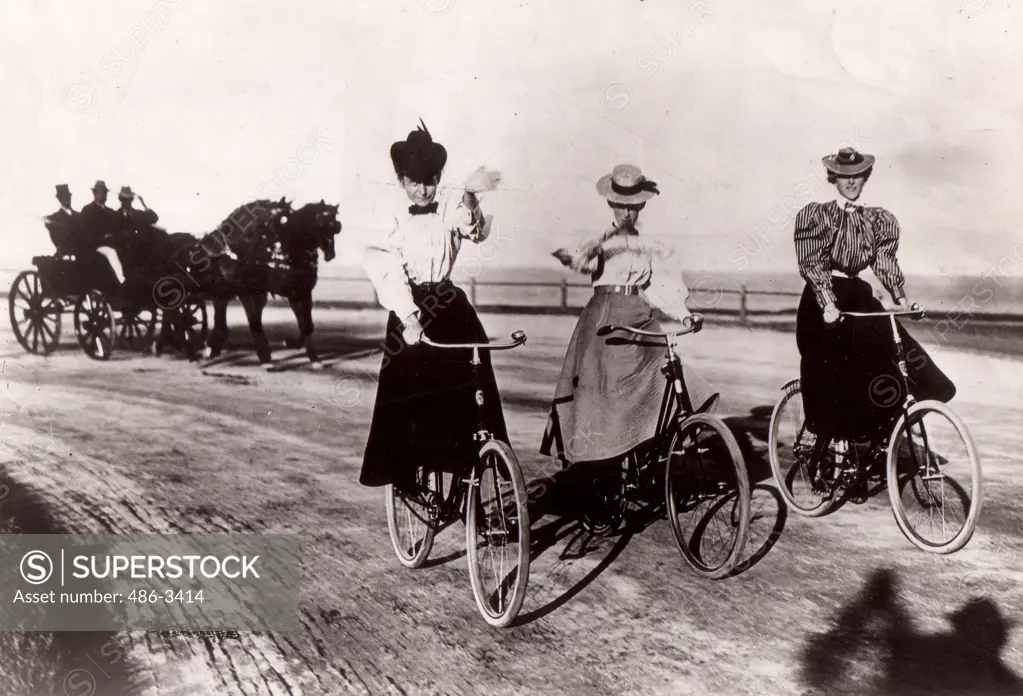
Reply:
x=93, y=497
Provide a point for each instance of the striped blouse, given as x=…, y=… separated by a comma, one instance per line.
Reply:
x=847, y=237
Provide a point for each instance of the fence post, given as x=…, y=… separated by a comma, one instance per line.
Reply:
x=564, y=294
x=743, y=293
x=472, y=291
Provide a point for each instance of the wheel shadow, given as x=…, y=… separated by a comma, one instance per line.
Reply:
x=578, y=547
x=768, y=515
x=553, y=498
x=873, y=647
x=768, y=512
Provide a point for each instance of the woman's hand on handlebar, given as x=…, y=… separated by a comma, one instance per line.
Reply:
x=413, y=330
x=831, y=314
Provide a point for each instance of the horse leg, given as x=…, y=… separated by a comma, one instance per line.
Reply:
x=306, y=306
x=253, y=305
x=295, y=301
x=219, y=332
x=188, y=336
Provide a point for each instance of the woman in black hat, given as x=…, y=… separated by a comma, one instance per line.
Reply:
x=848, y=369
x=608, y=397
x=425, y=411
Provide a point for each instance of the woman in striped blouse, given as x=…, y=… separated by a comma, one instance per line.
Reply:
x=848, y=369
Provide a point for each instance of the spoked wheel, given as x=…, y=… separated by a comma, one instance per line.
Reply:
x=790, y=449
x=708, y=496
x=94, y=325
x=409, y=521
x=604, y=498
x=138, y=330
x=934, y=478
x=196, y=320
x=35, y=313
x=497, y=535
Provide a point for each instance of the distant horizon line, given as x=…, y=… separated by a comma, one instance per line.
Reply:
x=694, y=269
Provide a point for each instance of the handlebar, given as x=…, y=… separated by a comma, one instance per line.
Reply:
x=518, y=338
x=915, y=312
x=695, y=326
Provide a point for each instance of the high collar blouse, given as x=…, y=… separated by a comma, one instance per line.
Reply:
x=843, y=236
x=399, y=249
x=624, y=258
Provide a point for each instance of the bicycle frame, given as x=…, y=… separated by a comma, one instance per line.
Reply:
x=676, y=404
x=915, y=313
x=452, y=507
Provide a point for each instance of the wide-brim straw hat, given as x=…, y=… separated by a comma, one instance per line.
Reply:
x=418, y=157
x=101, y=185
x=848, y=162
x=626, y=185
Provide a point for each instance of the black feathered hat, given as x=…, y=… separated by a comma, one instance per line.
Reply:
x=418, y=157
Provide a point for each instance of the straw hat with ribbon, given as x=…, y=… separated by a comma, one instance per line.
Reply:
x=626, y=185
x=848, y=162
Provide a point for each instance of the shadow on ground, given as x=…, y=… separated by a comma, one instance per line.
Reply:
x=873, y=648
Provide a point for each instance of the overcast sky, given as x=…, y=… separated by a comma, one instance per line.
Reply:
x=728, y=104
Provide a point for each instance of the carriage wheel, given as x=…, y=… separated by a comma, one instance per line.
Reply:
x=94, y=325
x=35, y=313
x=137, y=330
x=194, y=312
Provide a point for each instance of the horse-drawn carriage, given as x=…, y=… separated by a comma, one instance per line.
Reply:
x=264, y=247
x=107, y=313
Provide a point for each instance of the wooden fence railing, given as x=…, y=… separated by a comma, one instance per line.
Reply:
x=538, y=297
x=562, y=293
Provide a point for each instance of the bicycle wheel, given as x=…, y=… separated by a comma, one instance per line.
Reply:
x=934, y=478
x=497, y=534
x=790, y=456
x=707, y=494
x=408, y=519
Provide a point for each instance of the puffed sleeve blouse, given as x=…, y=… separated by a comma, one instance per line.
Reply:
x=628, y=259
x=847, y=237
x=399, y=249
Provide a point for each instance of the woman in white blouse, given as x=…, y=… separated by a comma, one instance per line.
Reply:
x=609, y=395
x=426, y=412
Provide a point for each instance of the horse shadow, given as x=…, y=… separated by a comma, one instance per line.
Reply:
x=873, y=648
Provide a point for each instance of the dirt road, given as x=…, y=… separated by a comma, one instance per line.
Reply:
x=140, y=444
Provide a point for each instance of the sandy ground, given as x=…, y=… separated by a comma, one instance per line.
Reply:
x=143, y=444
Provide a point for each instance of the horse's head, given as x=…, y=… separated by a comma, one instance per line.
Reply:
x=314, y=226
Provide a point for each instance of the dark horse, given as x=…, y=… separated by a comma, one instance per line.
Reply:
x=262, y=248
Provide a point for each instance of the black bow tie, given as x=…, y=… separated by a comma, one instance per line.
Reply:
x=422, y=209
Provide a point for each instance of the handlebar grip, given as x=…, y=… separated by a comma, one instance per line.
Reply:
x=519, y=336
x=605, y=330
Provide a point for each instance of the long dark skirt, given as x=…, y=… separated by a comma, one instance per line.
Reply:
x=849, y=374
x=609, y=395
x=426, y=411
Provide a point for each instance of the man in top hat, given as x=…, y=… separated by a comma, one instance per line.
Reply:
x=63, y=225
